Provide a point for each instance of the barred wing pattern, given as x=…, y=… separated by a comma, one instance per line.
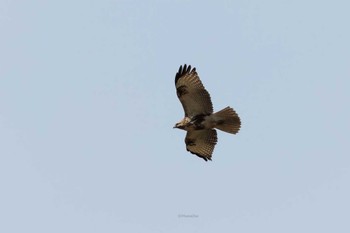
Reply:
x=194, y=98
x=201, y=142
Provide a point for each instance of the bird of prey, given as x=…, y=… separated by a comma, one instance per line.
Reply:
x=200, y=122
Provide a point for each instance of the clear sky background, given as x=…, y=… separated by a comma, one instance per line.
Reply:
x=87, y=106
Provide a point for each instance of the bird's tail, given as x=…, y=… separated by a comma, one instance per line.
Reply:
x=227, y=120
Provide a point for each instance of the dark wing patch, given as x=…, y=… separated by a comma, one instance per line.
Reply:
x=194, y=98
x=201, y=142
x=182, y=90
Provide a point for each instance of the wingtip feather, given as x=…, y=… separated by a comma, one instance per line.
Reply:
x=183, y=70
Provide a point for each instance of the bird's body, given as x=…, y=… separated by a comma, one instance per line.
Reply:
x=195, y=123
x=200, y=121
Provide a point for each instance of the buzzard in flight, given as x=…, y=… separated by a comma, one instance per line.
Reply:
x=200, y=121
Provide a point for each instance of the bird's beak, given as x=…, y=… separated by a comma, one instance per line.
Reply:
x=174, y=127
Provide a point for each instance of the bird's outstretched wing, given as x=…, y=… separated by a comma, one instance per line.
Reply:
x=194, y=98
x=201, y=142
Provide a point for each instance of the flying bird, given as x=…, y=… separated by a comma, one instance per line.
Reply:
x=200, y=122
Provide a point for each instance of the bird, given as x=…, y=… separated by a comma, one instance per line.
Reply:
x=200, y=122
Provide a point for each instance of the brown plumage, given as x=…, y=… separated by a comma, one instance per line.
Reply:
x=200, y=121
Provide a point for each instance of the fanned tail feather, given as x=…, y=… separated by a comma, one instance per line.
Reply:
x=227, y=120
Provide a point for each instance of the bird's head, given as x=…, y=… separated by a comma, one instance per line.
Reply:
x=179, y=125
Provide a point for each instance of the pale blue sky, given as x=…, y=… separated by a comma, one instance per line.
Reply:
x=87, y=106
